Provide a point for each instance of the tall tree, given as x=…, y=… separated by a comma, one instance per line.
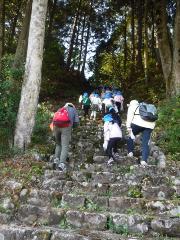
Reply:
x=82, y=38
x=17, y=8
x=133, y=34
x=32, y=78
x=1, y=29
x=21, y=49
x=164, y=44
x=175, y=82
x=140, y=4
x=52, y=10
x=74, y=26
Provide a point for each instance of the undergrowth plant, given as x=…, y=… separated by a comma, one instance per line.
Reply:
x=167, y=133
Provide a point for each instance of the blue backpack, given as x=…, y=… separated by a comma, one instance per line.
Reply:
x=148, y=112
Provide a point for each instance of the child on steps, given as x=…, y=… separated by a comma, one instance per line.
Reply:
x=112, y=135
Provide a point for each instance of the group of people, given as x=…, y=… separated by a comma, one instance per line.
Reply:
x=110, y=104
x=100, y=102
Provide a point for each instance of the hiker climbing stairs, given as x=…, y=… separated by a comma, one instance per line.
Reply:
x=94, y=201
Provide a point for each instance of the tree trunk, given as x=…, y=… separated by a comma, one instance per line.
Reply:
x=76, y=45
x=21, y=49
x=13, y=27
x=153, y=40
x=82, y=41
x=85, y=50
x=87, y=37
x=73, y=36
x=1, y=30
x=32, y=78
x=132, y=35
x=146, y=42
x=164, y=42
x=175, y=82
x=52, y=12
x=139, y=33
x=125, y=40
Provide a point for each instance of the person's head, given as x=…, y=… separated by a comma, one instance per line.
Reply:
x=111, y=110
x=118, y=93
x=69, y=105
x=108, y=95
x=96, y=95
x=85, y=94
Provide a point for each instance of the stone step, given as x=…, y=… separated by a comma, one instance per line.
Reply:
x=15, y=232
x=111, y=199
x=121, y=205
x=132, y=223
x=101, y=187
x=127, y=177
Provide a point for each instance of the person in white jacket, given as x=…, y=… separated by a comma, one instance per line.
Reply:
x=96, y=106
x=135, y=125
x=112, y=135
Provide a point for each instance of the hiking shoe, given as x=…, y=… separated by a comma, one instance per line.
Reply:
x=130, y=154
x=110, y=161
x=143, y=163
x=62, y=167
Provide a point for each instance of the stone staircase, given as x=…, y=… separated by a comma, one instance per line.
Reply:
x=94, y=201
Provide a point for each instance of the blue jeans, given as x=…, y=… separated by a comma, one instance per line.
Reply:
x=146, y=134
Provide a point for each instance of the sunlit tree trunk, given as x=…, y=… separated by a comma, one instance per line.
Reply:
x=1, y=30
x=82, y=41
x=164, y=45
x=76, y=45
x=21, y=49
x=32, y=78
x=175, y=82
x=85, y=50
x=146, y=41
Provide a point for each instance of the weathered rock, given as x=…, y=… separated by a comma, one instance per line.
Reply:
x=103, y=177
x=167, y=226
x=5, y=218
x=75, y=218
x=95, y=221
x=100, y=159
x=53, y=185
x=72, y=201
x=159, y=192
x=13, y=185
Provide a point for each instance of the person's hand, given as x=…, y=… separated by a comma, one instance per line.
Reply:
x=129, y=131
x=105, y=145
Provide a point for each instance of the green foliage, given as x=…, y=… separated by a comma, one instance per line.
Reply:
x=10, y=82
x=91, y=206
x=168, y=127
x=43, y=119
x=135, y=192
x=10, y=86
